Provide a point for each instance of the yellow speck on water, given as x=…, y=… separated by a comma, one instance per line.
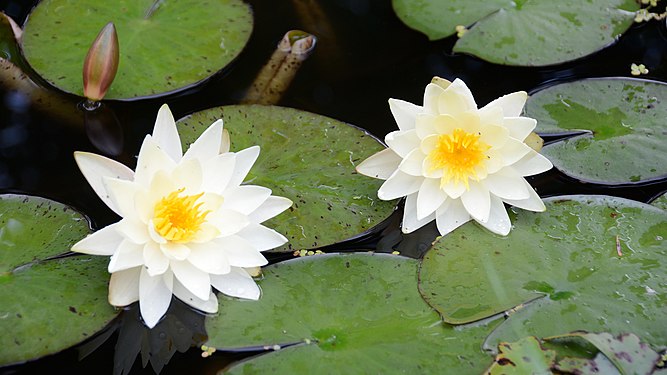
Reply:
x=460, y=30
x=636, y=70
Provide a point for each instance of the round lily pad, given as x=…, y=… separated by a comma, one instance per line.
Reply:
x=47, y=304
x=309, y=159
x=592, y=263
x=660, y=202
x=165, y=46
x=355, y=313
x=621, y=126
x=522, y=32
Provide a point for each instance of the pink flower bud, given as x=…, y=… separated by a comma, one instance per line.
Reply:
x=101, y=64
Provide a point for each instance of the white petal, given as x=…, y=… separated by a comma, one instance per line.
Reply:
x=207, y=146
x=532, y=203
x=494, y=135
x=410, y=222
x=446, y=124
x=380, y=165
x=209, y=257
x=512, y=104
x=399, y=185
x=128, y=255
x=192, y=278
x=124, y=287
x=413, y=163
x=244, y=161
x=261, y=237
x=237, y=283
x=228, y=222
x=95, y=167
x=491, y=115
x=454, y=189
x=431, y=95
x=404, y=113
x=429, y=197
x=189, y=175
x=246, y=199
x=155, y=261
x=209, y=306
x=166, y=135
x=513, y=151
x=225, y=142
x=519, y=127
x=425, y=126
x=151, y=159
x=531, y=164
x=103, y=242
x=241, y=252
x=450, y=216
x=456, y=99
x=175, y=251
x=499, y=221
x=273, y=206
x=154, y=296
x=402, y=142
x=122, y=194
x=477, y=201
x=506, y=184
x=134, y=230
x=217, y=172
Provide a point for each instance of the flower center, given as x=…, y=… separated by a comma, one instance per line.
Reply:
x=458, y=154
x=178, y=218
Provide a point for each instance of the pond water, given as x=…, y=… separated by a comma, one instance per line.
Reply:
x=364, y=55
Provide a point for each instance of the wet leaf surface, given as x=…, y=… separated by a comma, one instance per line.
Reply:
x=355, y=313
x=588, y=263
x=525, y=356
x=626, y=351
x=164, y=45
x=524, y=33
x=47, y=305
x=623, y=125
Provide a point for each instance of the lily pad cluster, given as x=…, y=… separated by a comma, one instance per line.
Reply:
x=521, y=32
x=563, y=265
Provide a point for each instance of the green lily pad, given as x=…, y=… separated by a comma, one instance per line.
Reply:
x=626, y=351
x=583, y=366
x=525, y=356
x=47, y=304
x=354, y=313
x=623, y=125
x=309, y=159
x=660, y=202
x=522, y=32
x=178, y=45
x=590, y=263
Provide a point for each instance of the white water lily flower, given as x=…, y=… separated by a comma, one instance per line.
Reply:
x=187, y=222
x=454, y=162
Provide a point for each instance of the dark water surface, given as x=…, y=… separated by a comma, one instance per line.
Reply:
x=364, y=55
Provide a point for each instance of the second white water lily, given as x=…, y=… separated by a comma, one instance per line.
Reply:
x=454, y=162
x=187, y=222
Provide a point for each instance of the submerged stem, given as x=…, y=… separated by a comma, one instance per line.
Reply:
x=277, y=74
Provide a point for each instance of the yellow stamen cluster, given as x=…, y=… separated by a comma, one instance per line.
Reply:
x=178, y=218
x=459, y=155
